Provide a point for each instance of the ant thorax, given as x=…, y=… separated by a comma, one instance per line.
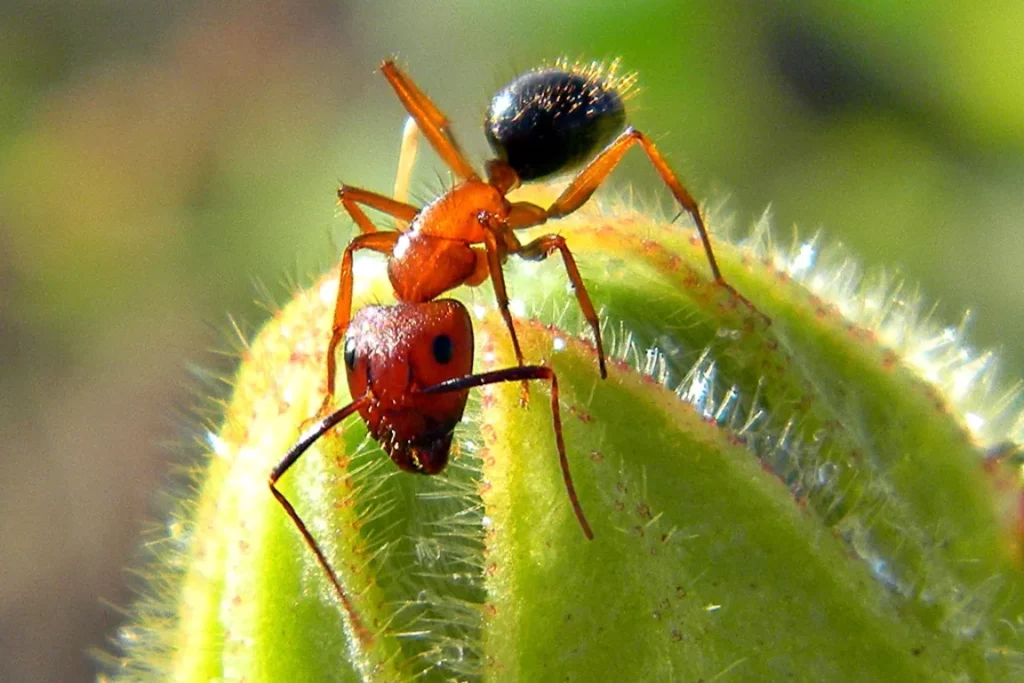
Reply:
x=435, y=254
x=455, y=215
x=423, y=266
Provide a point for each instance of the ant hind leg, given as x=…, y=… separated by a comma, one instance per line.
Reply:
x=434, y=125
x=406, y=161
x=598, y=170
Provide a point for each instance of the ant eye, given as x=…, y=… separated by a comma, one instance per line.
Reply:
x=442, y=348
x=350, y=353
x=551, y=120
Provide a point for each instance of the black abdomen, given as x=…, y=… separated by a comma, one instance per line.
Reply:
x=549, y=121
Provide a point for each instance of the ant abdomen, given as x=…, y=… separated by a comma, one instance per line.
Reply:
x=549, y=121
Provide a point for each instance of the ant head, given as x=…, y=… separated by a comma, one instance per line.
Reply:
x=391, y=354
x=553, y=119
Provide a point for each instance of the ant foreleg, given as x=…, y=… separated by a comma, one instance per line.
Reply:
x=382, y=242
x=526, y=373
x=308, y=438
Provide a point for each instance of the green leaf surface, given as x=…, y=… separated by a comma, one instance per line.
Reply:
x=774, y=496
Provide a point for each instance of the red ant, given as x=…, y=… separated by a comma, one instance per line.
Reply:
x=542, y=123
x=409, y=366
x=409, y=369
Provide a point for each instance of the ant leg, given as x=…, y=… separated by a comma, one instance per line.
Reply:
x=351, y=197
x=371, y=238
x=434, y=124
x=542, y=247
x=382, y=242
x=307, y=439
x=527, y=215
x=595, y=173
x=525, y=373
x=406, y=162
x=497, y=248
x=495, y=257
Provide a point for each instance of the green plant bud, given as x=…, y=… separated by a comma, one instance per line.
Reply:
x=802, y=488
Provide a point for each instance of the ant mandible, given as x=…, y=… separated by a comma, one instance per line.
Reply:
x=409, y=368
x=542, y=123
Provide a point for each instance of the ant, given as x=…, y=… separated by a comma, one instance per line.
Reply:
x=409, y=365
x=542, y=123
x=409, y=369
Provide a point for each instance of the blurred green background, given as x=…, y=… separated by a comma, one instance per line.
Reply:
x=158, y=159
